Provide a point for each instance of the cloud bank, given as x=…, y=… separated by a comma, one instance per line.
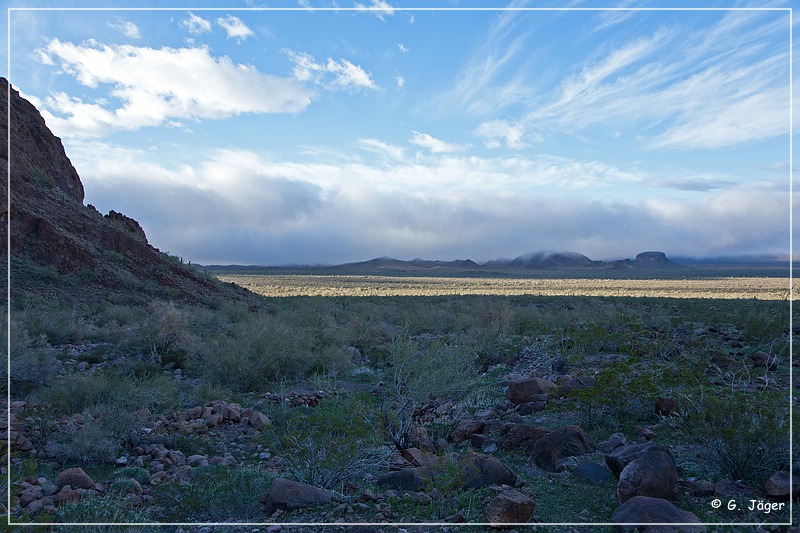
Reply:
x=238, y=206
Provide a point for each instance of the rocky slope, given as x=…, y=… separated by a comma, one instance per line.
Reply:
x=54, y=236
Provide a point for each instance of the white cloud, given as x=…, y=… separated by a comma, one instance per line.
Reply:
x=379, y=8
x=400, y=80
x=128, y=28
x=331, y=74
x=196, y=25
x=155, y=85
x=437, y=146
x=235, y=28
x=497, y=133
x=380, y=147
x=402, y=48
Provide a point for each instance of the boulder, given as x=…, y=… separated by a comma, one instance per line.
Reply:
x=520, y=437
x=484, y=470
x=642, y=510
x=410, y=479
x=466, y=428
x=417, y=458
x=619, y=458
x=66, y=495
x=259, y=421
x=289, y=495
x=592, y=473
x=652, y=474
x=524, y=390
x=567, y=441
x=778, y=485
x=614, y=441
x=666, y=406
x=509, y=507
x=764, y=360
x=74, y=477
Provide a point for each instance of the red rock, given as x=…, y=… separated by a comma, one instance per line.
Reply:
x=642, y=510
x=259, y=421
x=466, y=428
x=290, y=495
x=522, y=390
x=75, y=477
x=652, y=474
x=666, y=406
x=509, y=507
x=567, y=441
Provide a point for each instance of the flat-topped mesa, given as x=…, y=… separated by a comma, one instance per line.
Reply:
x=654, y=260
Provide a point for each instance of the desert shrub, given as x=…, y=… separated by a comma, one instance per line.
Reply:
x=621, y=395
x=332, y=444
x=259, y=350
x=92, y=442
x=32, y=364
x=217, y=493
x=740, y=435
x=108, y=508
x=417, y=371
x=77, y=392
x=132, y=472
x=112, y=404
x=165, y=330
x=55, y=321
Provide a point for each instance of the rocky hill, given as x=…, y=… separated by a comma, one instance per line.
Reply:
x=61, y=246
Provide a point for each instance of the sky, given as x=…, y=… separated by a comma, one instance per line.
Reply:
x=367, y=128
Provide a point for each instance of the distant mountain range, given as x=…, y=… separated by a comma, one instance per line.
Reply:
x=530, y=261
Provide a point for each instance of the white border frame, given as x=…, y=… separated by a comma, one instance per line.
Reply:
x=790, y=12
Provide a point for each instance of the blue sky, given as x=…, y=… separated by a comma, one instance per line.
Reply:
x=309, y=136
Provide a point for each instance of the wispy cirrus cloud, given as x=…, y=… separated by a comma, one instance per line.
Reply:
x=158, y=85
x=379, y=8
x=196, y=25
x=128, y=28
x=709, y=88
x=515, y=136
x=434, y=145
x=331, y=74
x=235, y=28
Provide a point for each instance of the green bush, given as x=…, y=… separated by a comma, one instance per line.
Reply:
x=111, y=404
x=420, y=370
x=331, y=444
x=260, y=350
x=108, y=508
x=217, y=493
x=32, y=365
x=740, y=435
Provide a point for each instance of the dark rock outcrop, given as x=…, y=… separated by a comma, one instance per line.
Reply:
x=52, y=229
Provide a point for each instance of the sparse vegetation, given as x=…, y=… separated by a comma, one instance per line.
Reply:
x=103, y=383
